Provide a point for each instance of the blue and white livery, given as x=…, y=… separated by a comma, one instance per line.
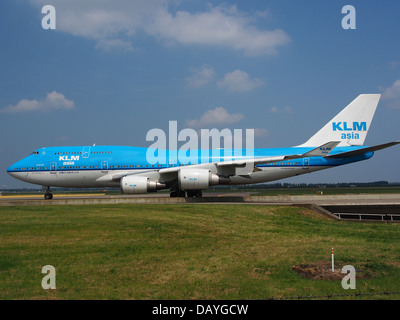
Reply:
x=339, y=142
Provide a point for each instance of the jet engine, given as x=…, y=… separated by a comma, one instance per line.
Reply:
x=138, y=184
x=195, y=179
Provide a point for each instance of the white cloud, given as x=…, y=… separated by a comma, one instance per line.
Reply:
x=392, y=95
x=62, y=138
x=217, y=116
x=221, y=26
x=281, y=110
x=394, y=65
x=200, y=76
x=52, y=101
x=393, y=92
x=239, y=81
x=262, y=14
x=260, y=132
x=114, y=44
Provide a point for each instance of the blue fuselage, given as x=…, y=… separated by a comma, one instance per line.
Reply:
x=98, y=166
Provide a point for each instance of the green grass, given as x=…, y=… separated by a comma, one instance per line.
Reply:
x=187, y=252
x=259, y=191
x=327, y=191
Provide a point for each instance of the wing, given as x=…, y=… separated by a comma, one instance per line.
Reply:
x=246, y=165
x=361, y=151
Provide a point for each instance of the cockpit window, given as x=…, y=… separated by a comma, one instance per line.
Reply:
x=35, y=152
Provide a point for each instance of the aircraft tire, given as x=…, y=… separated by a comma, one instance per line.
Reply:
x=173, y=194
x=48, y=196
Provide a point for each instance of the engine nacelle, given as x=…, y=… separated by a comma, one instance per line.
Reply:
x=195, y=179
x=138, y=184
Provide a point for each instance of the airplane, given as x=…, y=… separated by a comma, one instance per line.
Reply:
x=339, y=142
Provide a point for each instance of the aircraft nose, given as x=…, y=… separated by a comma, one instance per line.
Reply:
x=11, y=170
x=15, y=171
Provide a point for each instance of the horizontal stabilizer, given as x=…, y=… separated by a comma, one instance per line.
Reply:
x=321, y=151
x=363, y=150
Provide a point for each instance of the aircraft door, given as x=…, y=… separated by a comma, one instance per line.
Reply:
x=104, y=166
x=85, y=152
x=53, y=167
x=306, y=163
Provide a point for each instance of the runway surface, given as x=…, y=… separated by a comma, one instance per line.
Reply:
x=356, y=207
x=98, y=198
x=214, y=197
x=103, y=196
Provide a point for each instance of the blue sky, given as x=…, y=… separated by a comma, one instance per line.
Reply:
x=113, y=70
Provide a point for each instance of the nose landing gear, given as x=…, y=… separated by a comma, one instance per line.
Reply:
x=48, y=195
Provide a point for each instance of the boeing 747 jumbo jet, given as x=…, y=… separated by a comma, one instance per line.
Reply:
x=339, y=142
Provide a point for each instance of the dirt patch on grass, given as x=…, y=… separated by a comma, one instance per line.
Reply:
x=259, y=274
x=322, y=270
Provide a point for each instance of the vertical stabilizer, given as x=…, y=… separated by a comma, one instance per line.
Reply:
x=350, y=126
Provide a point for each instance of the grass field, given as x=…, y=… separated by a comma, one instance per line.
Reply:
x=259, y=191
x=328, y=191
x=190, y=252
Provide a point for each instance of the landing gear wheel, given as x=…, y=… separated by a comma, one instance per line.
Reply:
x=48, y=196
x=194, y=193
x=178, y=193
x=181, y=193
x=198, y=194
x=191, y=193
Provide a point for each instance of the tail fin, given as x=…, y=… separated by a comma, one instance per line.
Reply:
x=350, y=126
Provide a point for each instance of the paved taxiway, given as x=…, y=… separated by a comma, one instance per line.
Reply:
x=160, y=198
x=362, y=206
x=208, y=197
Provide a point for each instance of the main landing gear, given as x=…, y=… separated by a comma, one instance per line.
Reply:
x=194, y=193
x=183, y=193
x=48, y=195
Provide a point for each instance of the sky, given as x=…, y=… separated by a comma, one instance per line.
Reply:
x=111, y=71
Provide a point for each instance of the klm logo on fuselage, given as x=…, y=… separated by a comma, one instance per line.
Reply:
x=68, y=158
x=350, y=129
